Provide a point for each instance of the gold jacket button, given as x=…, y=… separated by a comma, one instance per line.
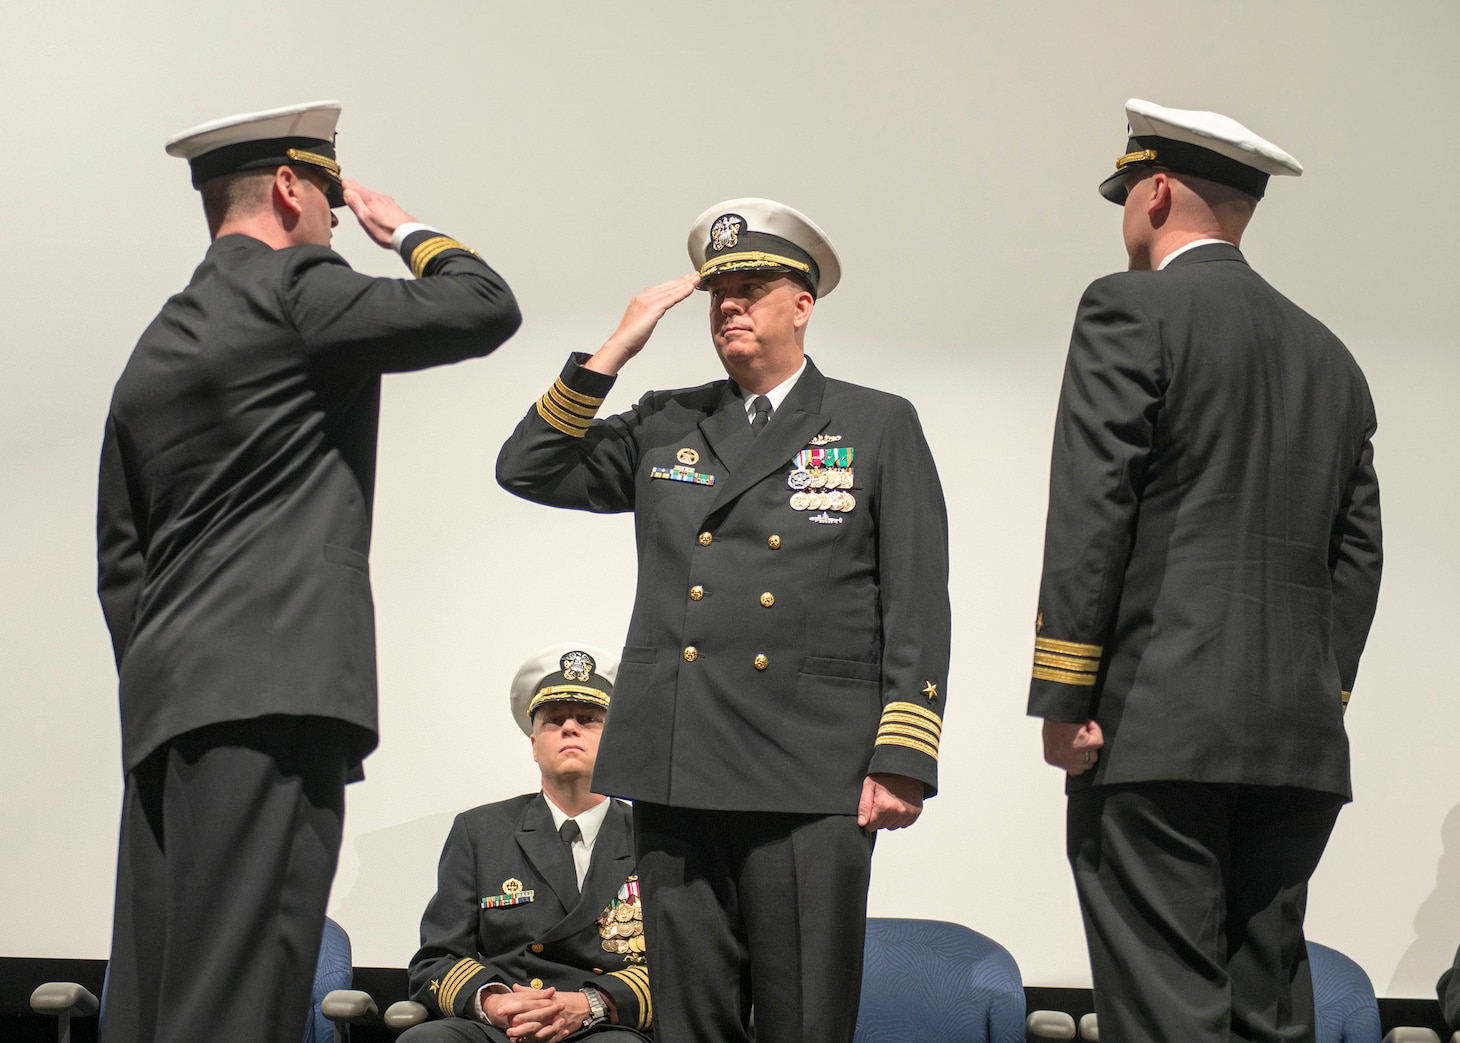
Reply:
x=768, y=599
x=597, y=970
x=696, y=592
x=773, y=542
x=761, y=662
x=706, y=538
x=691, y=654
x=537, y=946
x=536, y=983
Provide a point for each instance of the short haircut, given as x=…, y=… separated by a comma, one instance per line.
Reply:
x=234, y=195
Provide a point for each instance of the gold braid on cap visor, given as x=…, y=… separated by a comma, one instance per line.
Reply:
x=1145, y=155
x=314, y=159
x=560, y=693
x=749, y=259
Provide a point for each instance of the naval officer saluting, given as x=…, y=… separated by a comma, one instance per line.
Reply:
x=233, y=534
x=781, y=692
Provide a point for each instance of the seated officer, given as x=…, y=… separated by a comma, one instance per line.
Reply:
x=536, y=926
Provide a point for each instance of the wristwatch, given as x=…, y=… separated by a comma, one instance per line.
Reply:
x=597, y=1009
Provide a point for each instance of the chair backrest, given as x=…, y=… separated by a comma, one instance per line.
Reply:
x=1343, y=997
x=937, y=982
x=335, y=970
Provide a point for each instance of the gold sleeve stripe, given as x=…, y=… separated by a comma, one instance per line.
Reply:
x=559, y=388
x=1066, y=662
x=574, y=415
x=1345, y=696
x=570, y=401
x=567, y=429
x=932, y=729
x=921, y=734
x=915, y=710
x=912, y=744
x=568, y=424
x=1083, y=680
x=1050, y=644
x=567, y=410
x=428, y=251
x=637, y=979
x=458, y=976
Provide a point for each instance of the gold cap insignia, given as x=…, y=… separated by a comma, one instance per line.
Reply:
x=725, y=232
x=512, y=886
x=577, y=666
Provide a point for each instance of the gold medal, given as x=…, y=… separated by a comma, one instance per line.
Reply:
x=624, y=912
x=848, y=502
x=636, y=945
x=834, y=500
x=818, y=478
x=800, y=501
x=823, y=501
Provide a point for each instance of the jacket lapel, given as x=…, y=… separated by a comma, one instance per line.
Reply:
x=726, y=430
x=544, y=849
x=613, y=861
x=791, y=427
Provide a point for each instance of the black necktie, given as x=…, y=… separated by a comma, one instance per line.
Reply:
x=762, y=414
x=570, y=832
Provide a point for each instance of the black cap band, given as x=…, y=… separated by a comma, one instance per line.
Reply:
x=266, y=155
x=1185, y=158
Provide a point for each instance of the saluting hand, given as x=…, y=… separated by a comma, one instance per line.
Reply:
x=377, y=213
x=642, y=315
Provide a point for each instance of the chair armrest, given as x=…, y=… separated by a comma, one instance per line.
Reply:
x=63, y=997
x=1411, y=1034
x=403, y=1014
x=1049, y=1026
x=350, y=1005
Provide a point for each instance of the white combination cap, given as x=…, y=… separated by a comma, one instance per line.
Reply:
x=1204, y=144
x=753, y=234
x=564, y=672
x=295, y=134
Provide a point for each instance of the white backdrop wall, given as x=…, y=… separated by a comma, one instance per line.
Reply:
x=951, y=149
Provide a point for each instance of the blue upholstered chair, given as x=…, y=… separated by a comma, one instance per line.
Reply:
x=335, y=970
x=1343, y=998
x=937, y=982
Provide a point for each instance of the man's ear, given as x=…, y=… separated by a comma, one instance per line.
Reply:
x=533, y=739
x=804, y=303
x=289, y=190
x=1159, y=205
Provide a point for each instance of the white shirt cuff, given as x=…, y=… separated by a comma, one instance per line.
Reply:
x=399, y=235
